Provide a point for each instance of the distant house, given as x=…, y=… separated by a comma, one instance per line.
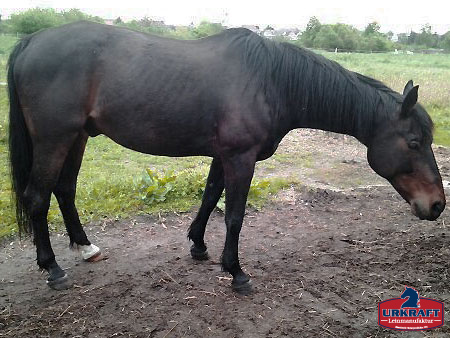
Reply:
x=159, y=23
x=287, y=33
x=269, y=33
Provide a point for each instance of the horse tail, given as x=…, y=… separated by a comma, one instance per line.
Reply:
x=20, y=146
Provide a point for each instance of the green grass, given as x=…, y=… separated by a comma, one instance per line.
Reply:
x=106, y=185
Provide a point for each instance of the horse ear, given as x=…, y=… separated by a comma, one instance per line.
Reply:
x=408, y=87
x=409, y=102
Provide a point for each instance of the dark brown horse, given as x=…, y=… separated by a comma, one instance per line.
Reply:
x=232, y=97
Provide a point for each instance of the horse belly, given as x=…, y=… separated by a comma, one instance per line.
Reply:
x=167, y=138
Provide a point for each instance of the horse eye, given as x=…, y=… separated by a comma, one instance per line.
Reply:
x=414, y=145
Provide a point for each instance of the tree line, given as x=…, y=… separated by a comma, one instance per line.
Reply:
x=36, y=19
x=316, y=35
x=347, y=37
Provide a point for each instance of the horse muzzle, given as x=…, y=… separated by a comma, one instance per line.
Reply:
x=429, y=213
x=427, y=199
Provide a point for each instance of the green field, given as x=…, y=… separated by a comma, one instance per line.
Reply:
x=110, y=174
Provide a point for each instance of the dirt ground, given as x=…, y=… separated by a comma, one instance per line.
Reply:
x=320, y=257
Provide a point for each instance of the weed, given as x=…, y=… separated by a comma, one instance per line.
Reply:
x=153, y=187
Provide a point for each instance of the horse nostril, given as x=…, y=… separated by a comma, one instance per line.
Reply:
x=437, y=208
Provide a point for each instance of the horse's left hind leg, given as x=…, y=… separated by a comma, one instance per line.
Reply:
x=65, y=191
x=48, y=159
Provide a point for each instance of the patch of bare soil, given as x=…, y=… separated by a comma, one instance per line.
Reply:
x=320, y=260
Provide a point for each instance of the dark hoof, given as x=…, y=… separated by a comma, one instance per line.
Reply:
x=199, y=254
x=61, y=283
x=243, y=288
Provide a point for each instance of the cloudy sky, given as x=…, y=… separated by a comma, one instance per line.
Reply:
x=398, y=16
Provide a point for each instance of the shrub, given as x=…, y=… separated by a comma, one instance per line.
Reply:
x=35, y=19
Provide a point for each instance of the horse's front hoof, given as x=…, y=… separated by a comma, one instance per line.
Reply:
x=242, y=288
x=199, y=254
x=61, y=283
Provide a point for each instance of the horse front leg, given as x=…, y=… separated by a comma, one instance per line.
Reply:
x=213, y=190
x=238, y=172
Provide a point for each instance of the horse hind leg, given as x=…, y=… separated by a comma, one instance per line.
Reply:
x=213, y=191
x=48, y=159
x=65, y=191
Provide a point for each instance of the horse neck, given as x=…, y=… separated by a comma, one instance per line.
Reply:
x=338, y=102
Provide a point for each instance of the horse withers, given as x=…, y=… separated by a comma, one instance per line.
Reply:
x=232, y=97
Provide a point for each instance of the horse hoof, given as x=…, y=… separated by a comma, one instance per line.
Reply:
x=198, y=254
x=90, y=253
x=96, y=258
x=61, y=283
x=243, y=288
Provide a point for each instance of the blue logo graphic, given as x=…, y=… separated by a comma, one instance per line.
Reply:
x=413, y=298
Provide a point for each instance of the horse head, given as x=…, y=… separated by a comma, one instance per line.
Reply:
x=401, y=152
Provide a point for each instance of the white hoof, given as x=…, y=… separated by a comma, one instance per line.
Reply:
x=88, y=251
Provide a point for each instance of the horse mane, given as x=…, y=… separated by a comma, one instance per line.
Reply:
x=318, y=91
x=420, y=115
